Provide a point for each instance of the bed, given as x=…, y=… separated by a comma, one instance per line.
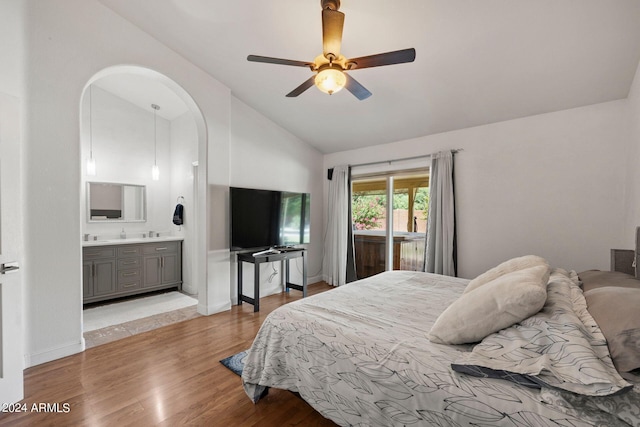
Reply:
x=360, y=355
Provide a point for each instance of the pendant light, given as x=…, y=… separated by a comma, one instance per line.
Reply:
x=91, y=162
x=155, y=171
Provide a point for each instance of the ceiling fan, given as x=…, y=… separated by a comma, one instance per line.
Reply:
x=331, y=66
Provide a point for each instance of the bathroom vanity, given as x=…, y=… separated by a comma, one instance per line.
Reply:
x=122, y=267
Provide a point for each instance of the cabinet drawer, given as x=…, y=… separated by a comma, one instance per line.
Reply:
x=160, y=247
x=124, y=287
x=133, y=262
x=129, y=276
x=98, y=252
x=129, y=250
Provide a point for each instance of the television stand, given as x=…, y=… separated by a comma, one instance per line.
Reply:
x=258, y=258
x=266, y=252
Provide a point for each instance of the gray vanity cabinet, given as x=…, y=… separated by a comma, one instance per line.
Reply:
x=129, y=269
x=98, y=272
x=99, y=278
x=87, y=279
x=104, y=274
x=162, y=264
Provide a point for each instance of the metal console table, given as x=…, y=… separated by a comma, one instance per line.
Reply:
x=284, y=256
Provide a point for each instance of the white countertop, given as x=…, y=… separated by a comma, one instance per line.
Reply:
x=109, y=242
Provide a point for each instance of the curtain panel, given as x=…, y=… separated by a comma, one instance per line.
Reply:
x=338, y=265
x=440, y=253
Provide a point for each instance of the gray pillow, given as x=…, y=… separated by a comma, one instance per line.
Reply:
x=593, y=279
x=617, y=312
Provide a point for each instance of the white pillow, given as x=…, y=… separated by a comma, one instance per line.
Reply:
x=514, y=264
x=496, y=305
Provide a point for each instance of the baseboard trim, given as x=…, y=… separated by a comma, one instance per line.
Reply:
x=54, y=353
x=189, y=290
x=315, y=279
x=213, y=309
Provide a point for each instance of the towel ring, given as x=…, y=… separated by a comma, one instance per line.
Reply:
x=180, y=197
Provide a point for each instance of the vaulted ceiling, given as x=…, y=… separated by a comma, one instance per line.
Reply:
x=477, y=61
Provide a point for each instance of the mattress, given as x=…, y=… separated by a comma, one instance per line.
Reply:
x=359, y=355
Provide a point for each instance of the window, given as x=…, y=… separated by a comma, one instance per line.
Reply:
x=408, y=222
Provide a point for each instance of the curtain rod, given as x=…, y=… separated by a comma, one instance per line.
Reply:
x=424, y=156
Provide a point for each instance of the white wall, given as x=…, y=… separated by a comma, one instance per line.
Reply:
x=68, y=43
x=559, y=174
x=184, y=151
x=264, y=156
x=632, y=208
x=11, y=46
x=552, y=185
x=123, y=148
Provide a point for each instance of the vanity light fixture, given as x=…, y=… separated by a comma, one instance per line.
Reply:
x=155, y=171
x=91, y=162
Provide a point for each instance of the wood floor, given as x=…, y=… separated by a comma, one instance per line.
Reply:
x=166, y=377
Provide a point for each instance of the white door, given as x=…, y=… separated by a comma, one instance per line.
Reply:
x=11, y=325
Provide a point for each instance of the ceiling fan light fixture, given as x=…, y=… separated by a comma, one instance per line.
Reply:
x=330, y=80
x=331, y=65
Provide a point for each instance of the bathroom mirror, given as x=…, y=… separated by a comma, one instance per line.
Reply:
x=113, y=202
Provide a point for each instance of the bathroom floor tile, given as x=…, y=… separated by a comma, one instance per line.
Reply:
x=142, y=325
x=105, y=335
x=127, y=329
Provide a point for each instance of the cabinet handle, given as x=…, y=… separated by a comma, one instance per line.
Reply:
x=93, y=254
x=132, y=285
x=161, y=249
x=129, y=251
x=130, y=274
x=129, y=262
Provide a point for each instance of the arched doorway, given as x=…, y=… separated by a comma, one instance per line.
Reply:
x=125, y=153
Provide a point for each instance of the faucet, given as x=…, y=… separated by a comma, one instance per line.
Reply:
x=86, y=237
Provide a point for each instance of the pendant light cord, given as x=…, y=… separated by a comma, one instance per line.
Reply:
x=91, y=121
x=155, y=134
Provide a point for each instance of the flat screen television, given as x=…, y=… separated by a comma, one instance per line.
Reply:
x=267, y=218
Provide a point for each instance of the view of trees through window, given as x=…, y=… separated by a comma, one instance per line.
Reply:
x=369, y=208
x=368, y=211
x=410, y=203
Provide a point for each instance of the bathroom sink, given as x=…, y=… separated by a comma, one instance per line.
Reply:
x=117, y=241
x=97, y=242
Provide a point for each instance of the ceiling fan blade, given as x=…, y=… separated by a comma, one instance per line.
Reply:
x=388, y=58
x=356, y=88
x=332, y=23
x=304, y=86
x=280, y=61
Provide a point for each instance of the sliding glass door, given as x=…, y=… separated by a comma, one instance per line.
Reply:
x=368, y=210
x=410, y=203
x=389, y=237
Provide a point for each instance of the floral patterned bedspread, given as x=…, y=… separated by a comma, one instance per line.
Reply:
x=359, y=355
